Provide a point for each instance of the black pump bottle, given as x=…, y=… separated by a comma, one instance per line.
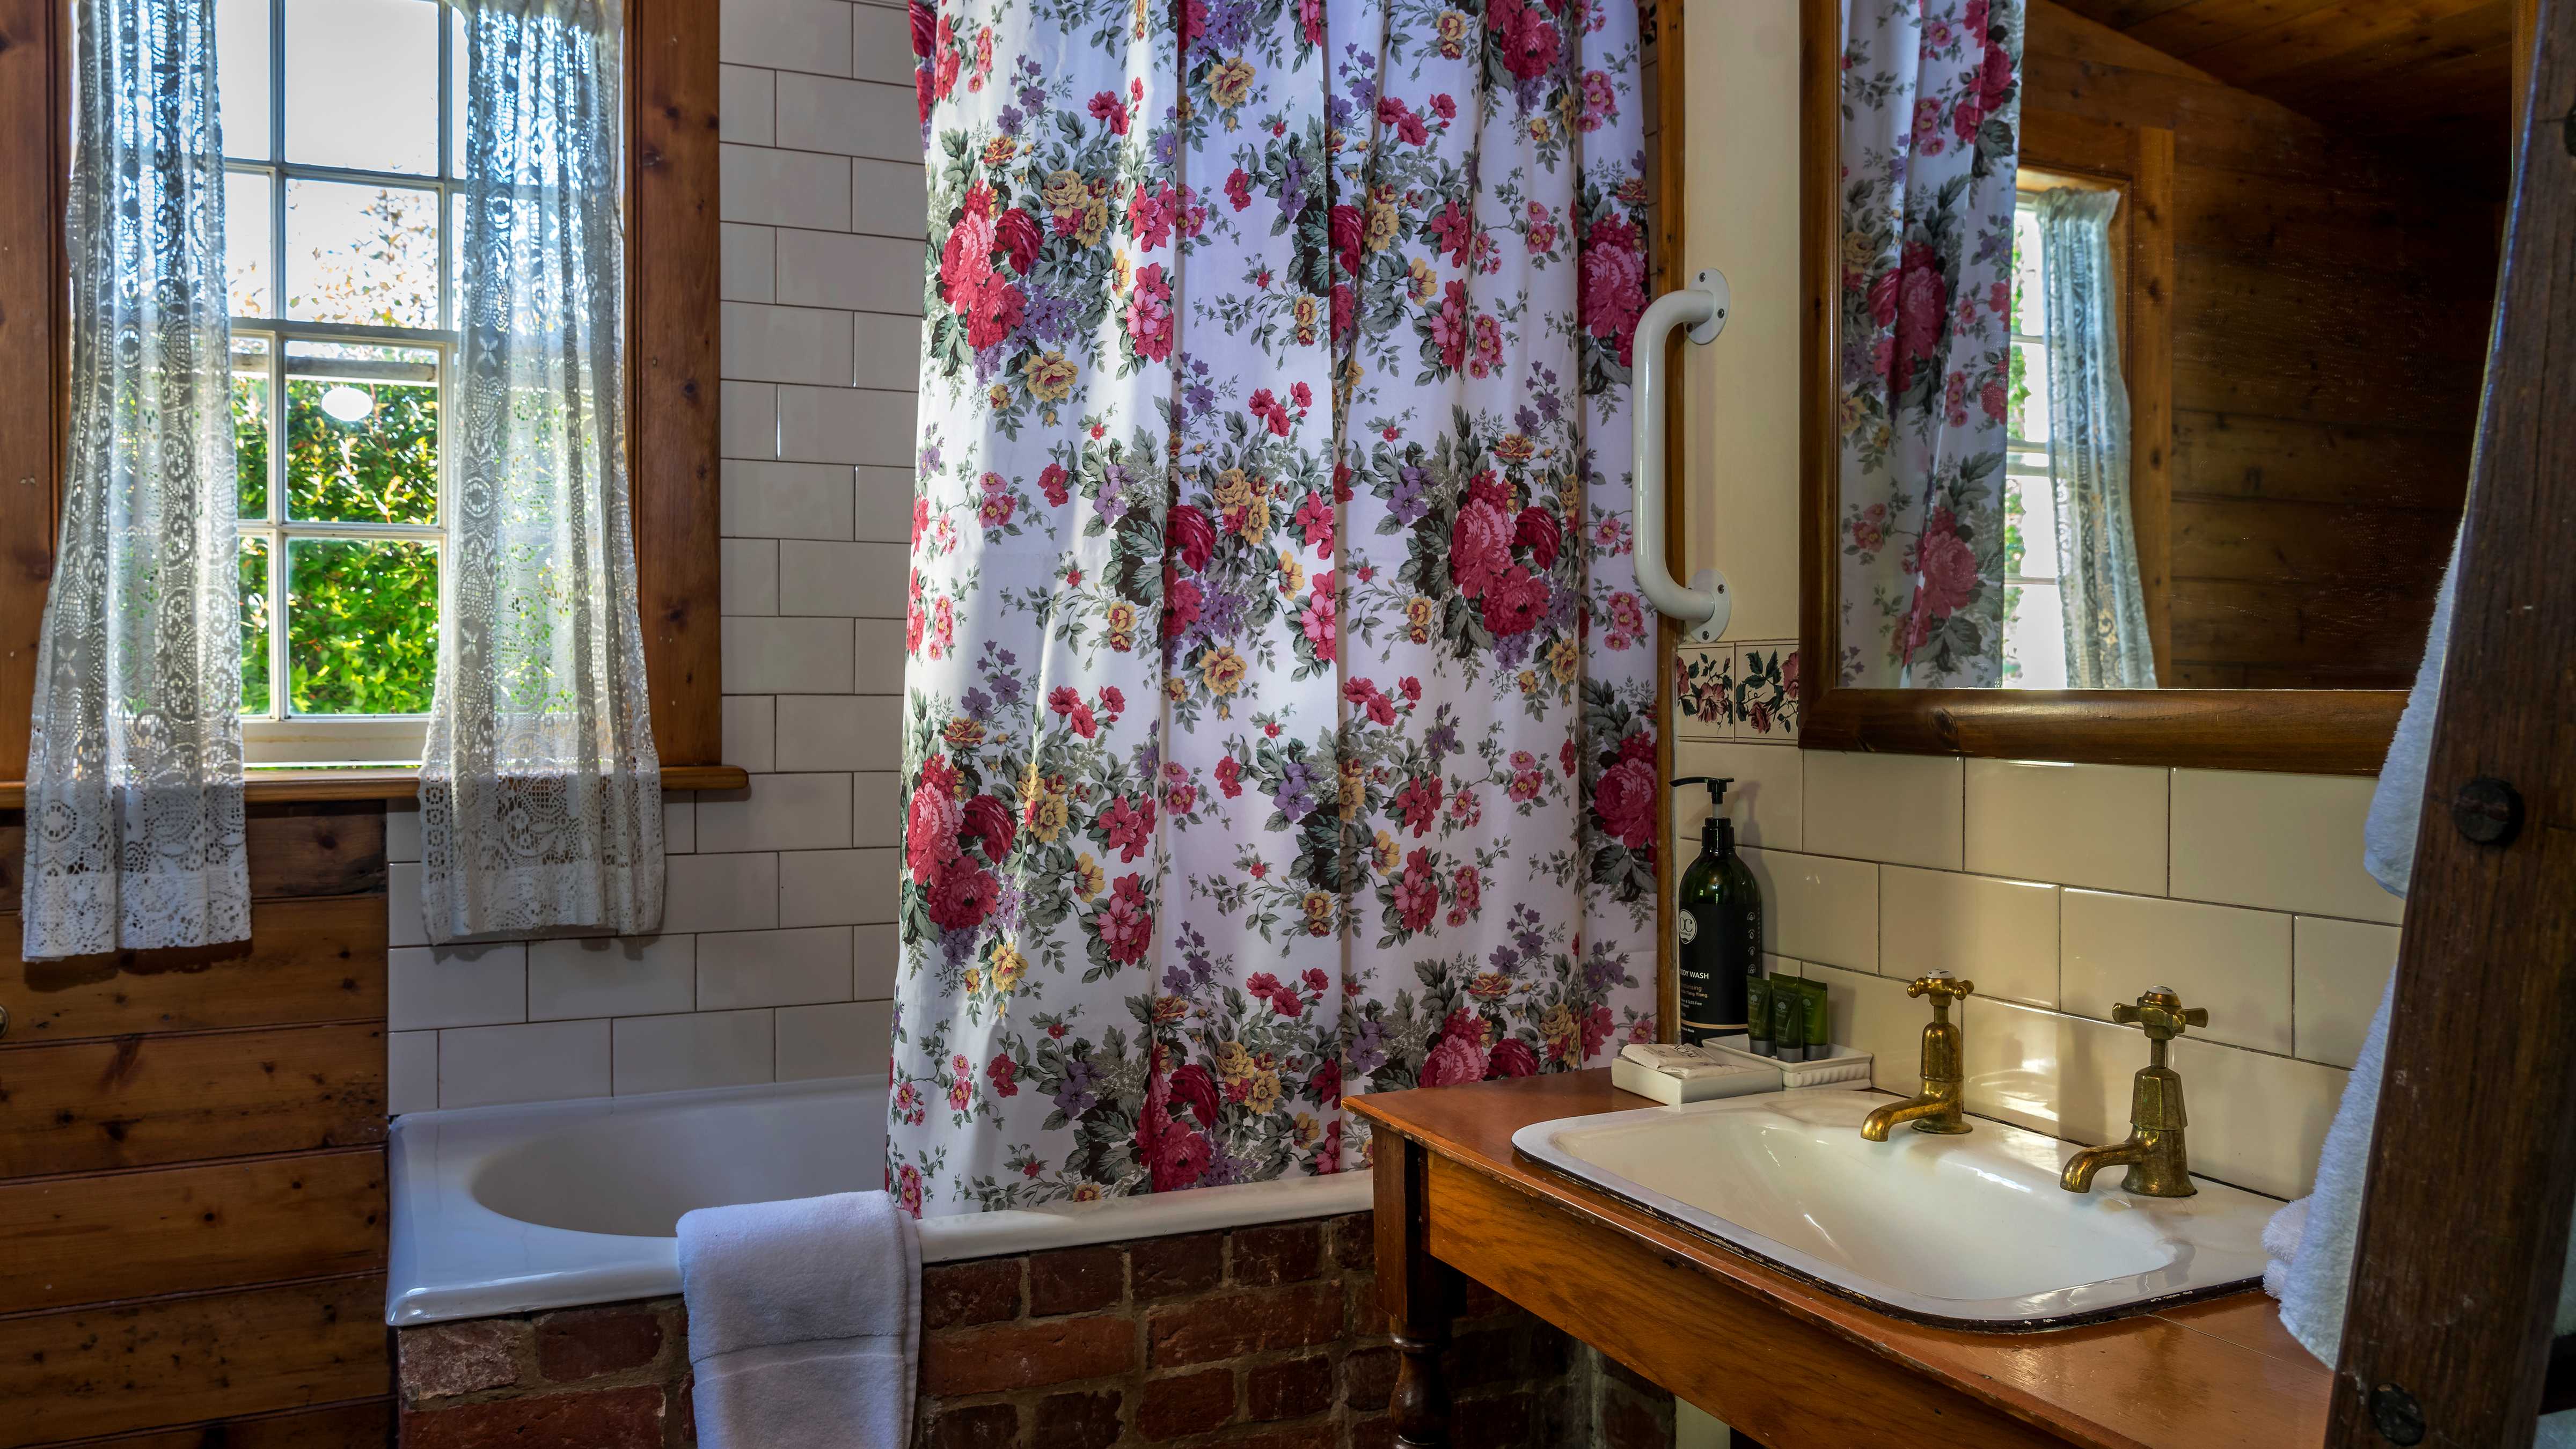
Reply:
x=1719, y=930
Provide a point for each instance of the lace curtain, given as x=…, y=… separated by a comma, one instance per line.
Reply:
x=540, y=791
x=1931, y=121
x=134, y=766
x=2099, y=590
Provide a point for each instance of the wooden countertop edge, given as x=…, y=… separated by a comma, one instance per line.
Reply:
x=1879, y=1334
x=264, y=787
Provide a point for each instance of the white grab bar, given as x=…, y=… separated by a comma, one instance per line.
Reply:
x=1702, y=609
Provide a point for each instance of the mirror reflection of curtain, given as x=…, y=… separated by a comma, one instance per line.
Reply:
x=1931, y=112
x=2099, y=590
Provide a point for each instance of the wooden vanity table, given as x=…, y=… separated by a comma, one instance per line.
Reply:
x=1786, y=1362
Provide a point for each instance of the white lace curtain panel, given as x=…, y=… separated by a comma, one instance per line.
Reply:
x=2101, y=595
x=134, y=766
x=541, y=795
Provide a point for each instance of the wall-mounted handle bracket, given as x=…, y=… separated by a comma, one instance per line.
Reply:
x=1701, y=609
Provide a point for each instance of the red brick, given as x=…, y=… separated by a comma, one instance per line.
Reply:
x=956, y=1294
x=1368, y=1378
x=1169, y=1267
x=1081, y=1421
x=576, y=1346
x=1630, y=1420
x=606, y=1419
x=1229, y=1325
x=1376, y=1433
x=1185, y=1404
x=1479, y=1301
x=1498, y=1422
x=1290, y=1389
x=1276, y=1253
x=988, y=1360
x=446, y=1359
x=684, y=1411
x=985, y=1426
x=1076, y=1280
x=1301, y=1436
x=1354, y=1238
x=1508, y=1353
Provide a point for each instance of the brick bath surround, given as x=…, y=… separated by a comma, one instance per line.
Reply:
x=1260, y=1337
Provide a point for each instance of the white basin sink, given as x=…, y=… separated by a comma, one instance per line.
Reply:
x=1970, y=1230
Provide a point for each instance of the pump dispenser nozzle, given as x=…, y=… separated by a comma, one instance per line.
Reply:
x=1716, y=824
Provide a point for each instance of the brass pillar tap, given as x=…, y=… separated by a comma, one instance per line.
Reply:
x=2154, y=1152
x=1936, y=1107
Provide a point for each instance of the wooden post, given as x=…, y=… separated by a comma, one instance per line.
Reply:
x=2473, y=1169
x=1415, y=1290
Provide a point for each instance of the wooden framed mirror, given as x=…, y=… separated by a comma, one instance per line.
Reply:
x=2299, y=215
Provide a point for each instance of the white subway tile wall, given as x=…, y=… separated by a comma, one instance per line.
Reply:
x=777, y=958
x=2082, y=886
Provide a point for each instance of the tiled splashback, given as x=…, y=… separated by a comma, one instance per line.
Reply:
x=777, y=958
x=2061, y=890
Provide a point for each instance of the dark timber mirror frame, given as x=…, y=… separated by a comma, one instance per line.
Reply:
x=2311, y=730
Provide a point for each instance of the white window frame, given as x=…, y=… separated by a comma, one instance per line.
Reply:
x=280, y=738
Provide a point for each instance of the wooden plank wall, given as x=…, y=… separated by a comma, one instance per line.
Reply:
x=192, y=1166
x=2330, y=312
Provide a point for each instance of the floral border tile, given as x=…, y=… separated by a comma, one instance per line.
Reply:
x=1764, y=706
x=1704, y=691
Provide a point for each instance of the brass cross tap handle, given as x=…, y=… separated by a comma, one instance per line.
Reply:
x=2160, y=1014
x=1937, y=1107
x=2154, y=1153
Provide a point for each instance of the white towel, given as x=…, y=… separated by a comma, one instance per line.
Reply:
x=804, y=1322
x=2310, y=1242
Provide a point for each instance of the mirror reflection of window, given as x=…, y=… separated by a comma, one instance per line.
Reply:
x=2034, y=633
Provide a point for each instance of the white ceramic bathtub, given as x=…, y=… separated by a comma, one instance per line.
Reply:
x=508, y=1209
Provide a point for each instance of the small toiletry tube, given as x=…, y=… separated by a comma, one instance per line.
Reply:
x=1757, y=1000
x=1788, y=1022
x=1820, y=1036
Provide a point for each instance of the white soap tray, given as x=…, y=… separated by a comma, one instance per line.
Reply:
x=1848, y=1066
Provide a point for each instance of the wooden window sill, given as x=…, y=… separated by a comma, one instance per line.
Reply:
x=264, y=787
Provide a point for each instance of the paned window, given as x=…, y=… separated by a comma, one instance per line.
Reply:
x=342, y=143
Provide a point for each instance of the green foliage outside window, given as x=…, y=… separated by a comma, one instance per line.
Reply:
x=362, y=615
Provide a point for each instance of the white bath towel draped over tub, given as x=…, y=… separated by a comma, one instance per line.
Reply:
x=804, y=1322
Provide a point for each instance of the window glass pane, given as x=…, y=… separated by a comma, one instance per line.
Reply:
x=248, y=231
x=361, y=625
x=457, y=90
x=362, y=84
x=254, y=625
x=241, y=75
x=2026, y=399
x=250, y=425
x=2029, y=301
x=2034, y=638
x=363, y=254
x=361, y=433
x=2037, y=525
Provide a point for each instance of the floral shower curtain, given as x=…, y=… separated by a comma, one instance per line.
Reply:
x=1279, y=708
x=1931, y=112
x=134, y=764
x=2101, y=596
